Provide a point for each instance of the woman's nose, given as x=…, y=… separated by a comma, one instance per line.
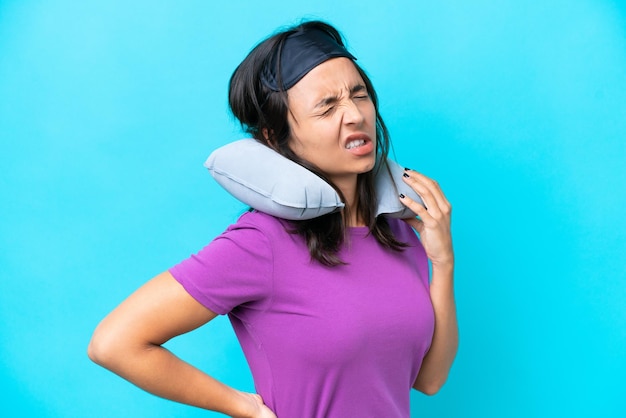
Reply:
x=352, y=113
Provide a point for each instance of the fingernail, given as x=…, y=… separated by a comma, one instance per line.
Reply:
x=402, y=196
x=405, y=175
x=406, y=169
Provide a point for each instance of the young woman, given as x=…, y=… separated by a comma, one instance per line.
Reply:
x=337, y=316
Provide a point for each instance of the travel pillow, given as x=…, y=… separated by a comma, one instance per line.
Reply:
x=263, y=179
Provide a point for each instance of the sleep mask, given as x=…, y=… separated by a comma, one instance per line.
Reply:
x=300, y=53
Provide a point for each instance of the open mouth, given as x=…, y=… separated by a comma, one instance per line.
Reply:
x=355, y=143
x=360, y=144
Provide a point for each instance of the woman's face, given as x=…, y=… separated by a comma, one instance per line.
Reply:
x=333, y=121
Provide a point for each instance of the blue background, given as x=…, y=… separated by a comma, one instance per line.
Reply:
x=518, y=108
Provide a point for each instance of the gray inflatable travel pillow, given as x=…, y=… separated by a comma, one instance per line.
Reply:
x=268, y=182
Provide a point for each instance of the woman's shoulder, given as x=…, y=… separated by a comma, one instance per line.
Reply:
x=259, y=229
x=267, y=224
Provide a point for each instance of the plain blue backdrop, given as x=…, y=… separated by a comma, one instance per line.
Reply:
x=518, y=108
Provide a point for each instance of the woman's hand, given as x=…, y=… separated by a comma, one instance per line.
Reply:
x=433, y=221
x=258, y=408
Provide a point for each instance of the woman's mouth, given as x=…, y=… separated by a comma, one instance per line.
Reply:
x=355, y=143
x=359, y=145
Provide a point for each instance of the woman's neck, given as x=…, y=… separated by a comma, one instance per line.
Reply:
x=349, y=192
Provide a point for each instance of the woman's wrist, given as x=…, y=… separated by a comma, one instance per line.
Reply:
x=442, y=280
x=445, y=267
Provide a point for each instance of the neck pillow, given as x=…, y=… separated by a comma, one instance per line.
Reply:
x=268, y=182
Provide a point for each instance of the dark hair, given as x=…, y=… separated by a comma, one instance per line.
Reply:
x=263, y=114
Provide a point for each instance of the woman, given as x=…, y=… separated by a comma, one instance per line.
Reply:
x=335, y=315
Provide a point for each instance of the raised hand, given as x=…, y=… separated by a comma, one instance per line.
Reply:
x=433, y=220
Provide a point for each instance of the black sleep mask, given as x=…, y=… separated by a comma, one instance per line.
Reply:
x=301, y=52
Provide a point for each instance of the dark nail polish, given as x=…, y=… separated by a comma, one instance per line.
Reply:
x=405, y=175
x=406, y=169
x=402, y=196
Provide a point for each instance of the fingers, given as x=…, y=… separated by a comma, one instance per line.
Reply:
x=435, y=201
x=418, y=208
x=433, y=222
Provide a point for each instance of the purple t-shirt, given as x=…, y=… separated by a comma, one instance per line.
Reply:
x=323, y=342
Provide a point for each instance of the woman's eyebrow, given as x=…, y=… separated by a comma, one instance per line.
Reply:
x=328, y=100
x=358, y=88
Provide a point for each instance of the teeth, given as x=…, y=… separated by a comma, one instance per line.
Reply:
x=355, y=143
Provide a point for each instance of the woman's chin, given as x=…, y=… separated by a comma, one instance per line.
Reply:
x=368, y=166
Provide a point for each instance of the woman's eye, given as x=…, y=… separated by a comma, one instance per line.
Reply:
x=362, y=97
x=328, y=111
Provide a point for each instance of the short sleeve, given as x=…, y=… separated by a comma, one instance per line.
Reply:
x=235, y=269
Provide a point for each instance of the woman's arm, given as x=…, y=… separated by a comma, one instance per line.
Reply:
x=129, y=343
x=433, y=225
x=438, y=360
